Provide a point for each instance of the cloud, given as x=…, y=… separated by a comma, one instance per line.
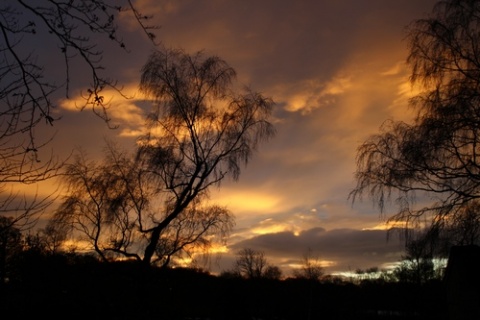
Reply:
x=343, y=249
x=124, y=108
x=244, y=201
x=398, y=68
x=311, y=94
x=311, y=161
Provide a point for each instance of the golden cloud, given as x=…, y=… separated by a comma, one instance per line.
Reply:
x=387, y=225
x=271, y=226
x=248, y=201
x=122, y=108
x=308, y=95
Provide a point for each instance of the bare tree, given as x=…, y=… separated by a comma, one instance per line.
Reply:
x=52, y=238
x=28, y=87
x=465, y=228
x=250, y=264
x=24, y=212
x=311, y=268
x=113, y=204
x=25, y=88
x=201, y=131
x=437, y=156
x=195, y=230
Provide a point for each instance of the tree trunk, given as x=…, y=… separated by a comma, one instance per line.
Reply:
x=150, y=249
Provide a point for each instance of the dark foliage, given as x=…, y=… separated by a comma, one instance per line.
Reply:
x=430, y=167
x=80, y=287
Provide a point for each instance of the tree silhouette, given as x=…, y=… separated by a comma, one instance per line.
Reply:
x=417, y=266
x=436, y=241
x=112, y=205
x=250, y=263
x=272, y=273
x=310, y=269
x=437, y=155
x=200, y=131
x=465, y=228
x=28, y=88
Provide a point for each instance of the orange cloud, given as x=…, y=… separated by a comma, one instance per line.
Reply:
x=239, y=201
x=122, y=108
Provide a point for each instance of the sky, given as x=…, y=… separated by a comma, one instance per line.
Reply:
x=336, y=71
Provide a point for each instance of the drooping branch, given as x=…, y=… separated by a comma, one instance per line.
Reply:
x=435, y=158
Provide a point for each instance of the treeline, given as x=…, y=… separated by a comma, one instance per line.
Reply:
x=79, y=286
x=39, y=279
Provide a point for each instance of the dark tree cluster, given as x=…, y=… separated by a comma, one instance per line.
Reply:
x=82, y=287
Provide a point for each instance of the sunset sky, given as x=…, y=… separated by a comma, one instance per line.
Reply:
x=336, y=71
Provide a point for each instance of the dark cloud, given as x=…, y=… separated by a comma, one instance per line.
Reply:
x=345, y=249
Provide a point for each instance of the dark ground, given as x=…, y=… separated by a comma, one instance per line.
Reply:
x=90, y=290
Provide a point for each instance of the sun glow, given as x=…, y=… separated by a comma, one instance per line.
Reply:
x=273, y=228
x=249, y=202
x=319, y=263
x=387, y=225
x=77, y=246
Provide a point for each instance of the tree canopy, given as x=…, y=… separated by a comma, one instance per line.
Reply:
x=435, y=158
x=201, y=129
x=154, y=205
